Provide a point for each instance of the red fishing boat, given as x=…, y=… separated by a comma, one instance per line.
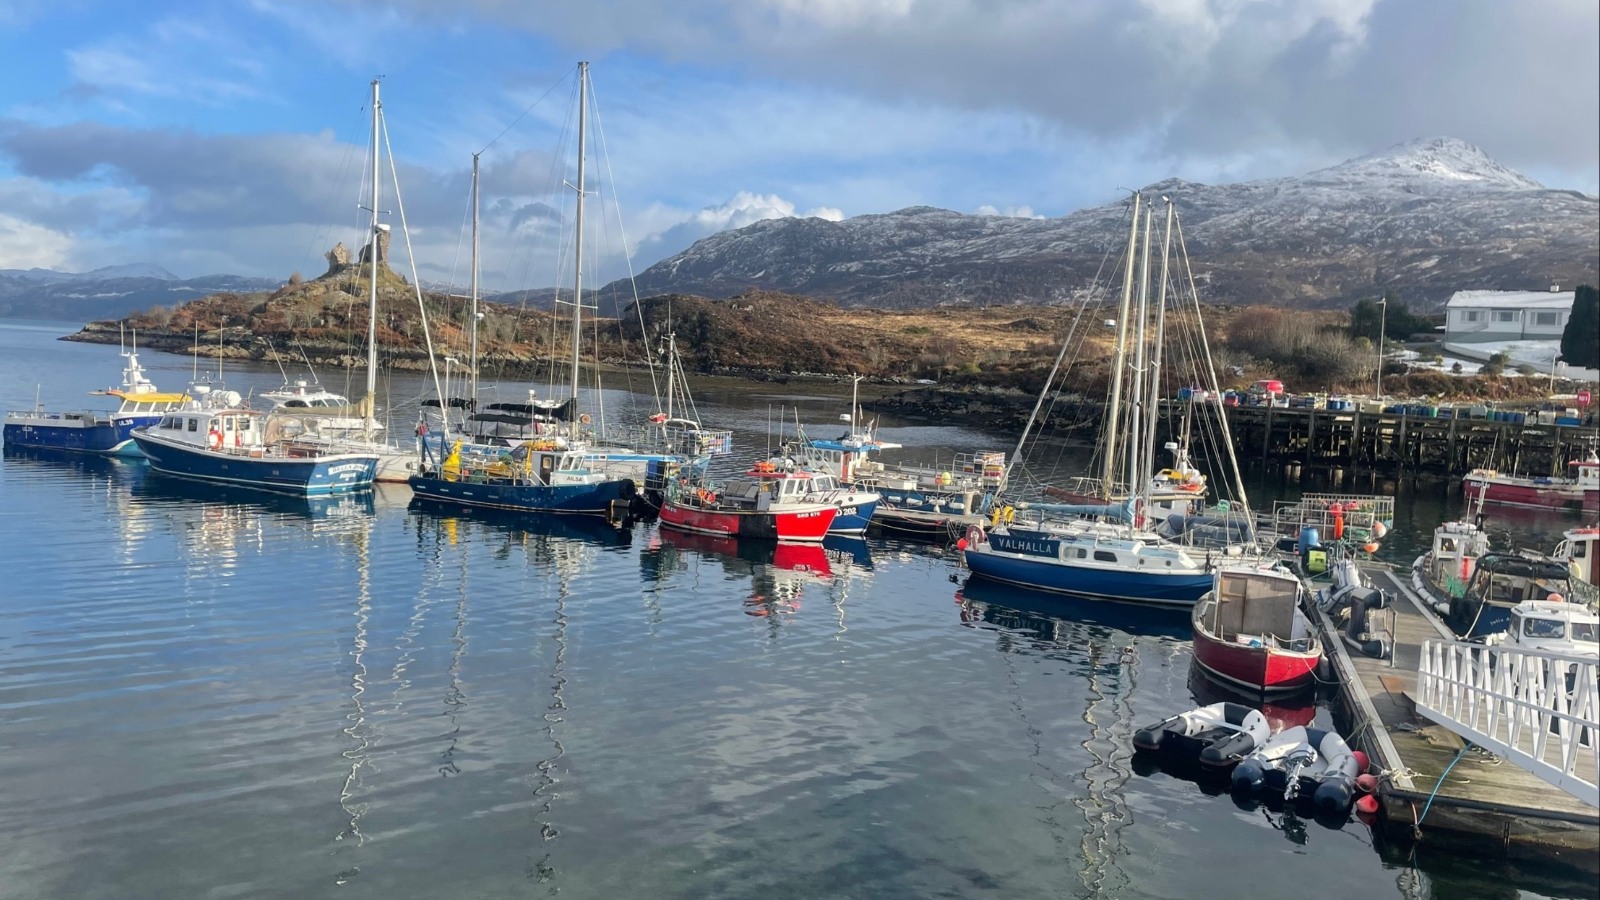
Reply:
x=1580, y=490
x=766, y=502
x=1251, y=630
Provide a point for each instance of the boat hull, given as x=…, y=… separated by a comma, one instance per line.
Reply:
x=90, y=433
x=1533, y=493
x=810, y=524
x=1046, y=572
x=1257, y=669
x=603, y=498
x=853, y=518
x=310, y=476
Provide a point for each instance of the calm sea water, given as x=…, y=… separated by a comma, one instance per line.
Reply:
x=205, y=694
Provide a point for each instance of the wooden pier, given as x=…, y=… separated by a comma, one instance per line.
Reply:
x=1357, y=439
x=1428, y=785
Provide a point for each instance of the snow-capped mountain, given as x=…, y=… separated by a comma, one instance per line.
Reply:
x=110, y=292
x=1424, y=218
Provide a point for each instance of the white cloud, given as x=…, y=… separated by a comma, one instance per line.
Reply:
x=743, y=208
x=24, y=245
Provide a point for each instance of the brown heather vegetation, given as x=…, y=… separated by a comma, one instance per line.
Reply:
x=773, y=335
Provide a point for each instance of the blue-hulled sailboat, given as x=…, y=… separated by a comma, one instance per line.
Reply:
x=1107, y=550
x=558, y=474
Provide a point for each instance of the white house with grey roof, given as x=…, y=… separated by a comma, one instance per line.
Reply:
x=1481, y=317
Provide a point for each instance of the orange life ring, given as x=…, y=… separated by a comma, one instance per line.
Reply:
x=1191, y=486
x=216, y=439
x=658, y=418
x=584, y=419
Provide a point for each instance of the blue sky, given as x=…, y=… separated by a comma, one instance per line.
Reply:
x=211, y=137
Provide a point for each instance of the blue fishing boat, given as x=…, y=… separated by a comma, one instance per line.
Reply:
x=535, y=477
x=97, y=431
x=1097, y=561
x=238, y=447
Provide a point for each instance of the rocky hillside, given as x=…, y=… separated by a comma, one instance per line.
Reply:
x=1424, y=218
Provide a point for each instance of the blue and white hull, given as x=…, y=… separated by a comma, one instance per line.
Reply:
x=853, y=518
x=79, y=432
x=1050, y=563
x=598, y=498
x=310, y=476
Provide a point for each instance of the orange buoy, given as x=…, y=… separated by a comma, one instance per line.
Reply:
x=1367, y=805
x=1361, y=760
x=961, y=544
x=1366, y=783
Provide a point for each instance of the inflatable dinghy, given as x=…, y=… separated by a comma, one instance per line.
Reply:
x=1216, y=736
x=1305, y=765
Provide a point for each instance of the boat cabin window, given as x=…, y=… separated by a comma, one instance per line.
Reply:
x=1447, y=545
x=1586, y=631
x=1543, y=628
x=1105, y=556
x=1580, y=549
x=194, y=424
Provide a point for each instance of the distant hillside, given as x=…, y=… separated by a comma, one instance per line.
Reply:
x=114, y=291
x=1425, y=219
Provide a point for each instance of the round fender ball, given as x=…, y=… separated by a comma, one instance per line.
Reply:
x=1366, y=784
x=1367, y=806
x=1361, y=760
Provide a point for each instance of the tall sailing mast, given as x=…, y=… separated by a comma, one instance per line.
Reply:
x=472, y=349
x=1119, y=358
x=370, y=422
x=577, y=253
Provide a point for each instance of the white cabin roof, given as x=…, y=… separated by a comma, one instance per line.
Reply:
x=1510, y=300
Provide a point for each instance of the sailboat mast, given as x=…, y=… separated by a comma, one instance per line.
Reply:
x=577, y=219
x=672, y=372
x=1135, y=465
x=1155, y=358
x=1108, y=476
x=372, y=306
x=473, y=347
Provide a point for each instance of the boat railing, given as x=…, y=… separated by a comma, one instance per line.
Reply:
x=672, y=438
x=1538, y=709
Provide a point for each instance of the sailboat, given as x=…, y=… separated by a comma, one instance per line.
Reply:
x=315, y=417
x=1107, y=550
x=557, y=474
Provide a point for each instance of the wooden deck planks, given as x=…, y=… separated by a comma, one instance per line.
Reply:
x=1483, y=795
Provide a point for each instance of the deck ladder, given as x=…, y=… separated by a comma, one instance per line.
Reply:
x=1537, y=709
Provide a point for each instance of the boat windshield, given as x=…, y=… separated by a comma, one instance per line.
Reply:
x=1586, y=631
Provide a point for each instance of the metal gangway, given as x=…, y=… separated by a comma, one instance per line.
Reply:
x=1537, y=709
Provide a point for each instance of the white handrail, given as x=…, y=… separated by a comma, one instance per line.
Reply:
x=1538, y=709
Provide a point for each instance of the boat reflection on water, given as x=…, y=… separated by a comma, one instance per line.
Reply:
x=18, y=456
x=779, y=571
x=1052, y=617
x=1281, y=712
x=156, y=488
x=586, y=529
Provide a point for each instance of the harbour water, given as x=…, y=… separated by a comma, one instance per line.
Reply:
x=209, y=694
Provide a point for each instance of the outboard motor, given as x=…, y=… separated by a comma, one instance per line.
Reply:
x=1359, y=600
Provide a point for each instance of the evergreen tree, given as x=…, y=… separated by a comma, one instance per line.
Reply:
x=1580, y=342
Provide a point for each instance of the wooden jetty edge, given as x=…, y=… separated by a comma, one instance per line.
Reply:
x=1482, y=800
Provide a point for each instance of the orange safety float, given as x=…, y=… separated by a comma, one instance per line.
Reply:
x=215, y=438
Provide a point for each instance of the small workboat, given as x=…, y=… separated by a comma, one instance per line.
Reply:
x=1579, y=490
x=762, y=503
x=1216, y=736
x=1251, y=630
x=237, y=447
x=1308, y=766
